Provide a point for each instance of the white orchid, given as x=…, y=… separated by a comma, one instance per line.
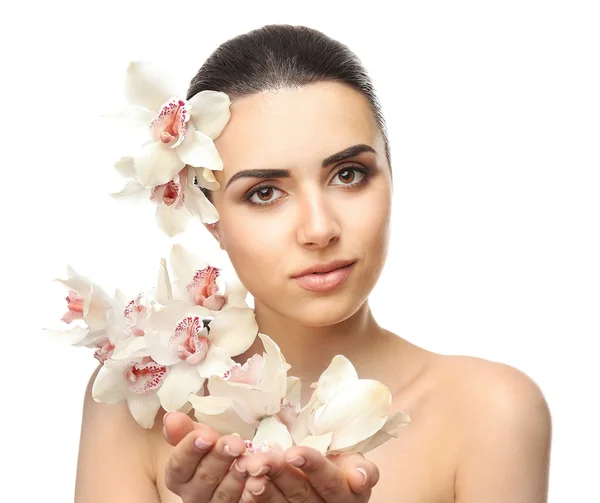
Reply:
x=89, y=311
x=255, y=399
x=177, y=200
x=136, y=381
x=203, y=284
x=177, y=154
x=345, y=413
x=130, y=318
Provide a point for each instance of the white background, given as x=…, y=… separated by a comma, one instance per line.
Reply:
x=494, y=119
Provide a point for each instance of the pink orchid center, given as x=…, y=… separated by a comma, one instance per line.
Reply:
x=170, y=192
x=74, y=306
x=248, y=373
x=203, y=289
x=251, y=448
x=192, y=346
x=146, y=376
x=170, y=125
x=104, y=351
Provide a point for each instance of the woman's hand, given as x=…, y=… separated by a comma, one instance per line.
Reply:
x=199, y=467
x=303, y=475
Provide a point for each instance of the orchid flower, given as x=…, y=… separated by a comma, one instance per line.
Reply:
x=255, y=400
x=136, y=381
x=203, y=284
x=345, y=413
x=177, y=155
x=177, y=200
x=89, y=310
x=194, y=342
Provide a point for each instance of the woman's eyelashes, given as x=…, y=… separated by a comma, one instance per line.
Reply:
x=349, y=177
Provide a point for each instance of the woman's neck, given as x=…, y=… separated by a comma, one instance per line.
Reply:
x=309, y=350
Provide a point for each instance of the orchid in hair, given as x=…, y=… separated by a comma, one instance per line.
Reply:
x=345, y=413
x=175, y=154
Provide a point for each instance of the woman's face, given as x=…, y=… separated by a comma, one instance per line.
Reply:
x=284, y=208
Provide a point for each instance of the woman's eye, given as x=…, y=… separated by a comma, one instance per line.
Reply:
x=263, y=196
x=349, y=176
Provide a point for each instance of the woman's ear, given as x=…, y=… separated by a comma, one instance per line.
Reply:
x=214, y=230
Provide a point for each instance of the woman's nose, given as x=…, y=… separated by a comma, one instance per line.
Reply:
x=318, y=225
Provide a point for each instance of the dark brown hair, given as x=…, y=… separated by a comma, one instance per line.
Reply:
x=280, y=56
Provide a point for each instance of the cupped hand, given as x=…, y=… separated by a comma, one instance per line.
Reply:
x=303, y=475
x=199, y=469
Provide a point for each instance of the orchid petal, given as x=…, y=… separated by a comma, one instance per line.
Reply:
x=251, y=403
x=72, y=335
x=199, y=151
x=339, y=373
x=156, y=164
x=218, y=413
x=319, y=442
x=210, y=112
x=210, y=404
x=206, y=178
x=110, y=385
x=199, y=205
x=389, y=430
x=125, y=168
x=236, y=292
x=184, y=264
x=92, y=338
x=300, y=425
x=133, y=347
x=354, y=413
x=271, y=431
x=233, y=329
x=147, y=85
x=216, y=362
x=144, y=409
x=182, y=379
x=132, y=192
x=171, y=220
x=163, y=284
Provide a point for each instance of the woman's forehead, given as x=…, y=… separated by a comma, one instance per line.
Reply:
x=303, y=124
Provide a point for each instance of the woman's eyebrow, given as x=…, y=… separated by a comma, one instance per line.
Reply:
x=285, y=173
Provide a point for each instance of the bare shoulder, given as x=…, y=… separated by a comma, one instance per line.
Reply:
x=114, y=461
x=505, y=430
x=478, y=384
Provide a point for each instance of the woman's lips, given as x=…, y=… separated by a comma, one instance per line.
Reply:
x=322, y=282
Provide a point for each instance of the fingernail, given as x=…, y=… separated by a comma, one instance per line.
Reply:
x=246, y=498
x=263, y=471
x=201, y=444
x=231, y=451
x=364, y=474
x=165, y=418
x=258, y=493
x=299, y=461
x=241, y=470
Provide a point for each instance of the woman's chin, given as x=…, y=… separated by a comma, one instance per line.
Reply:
x=322, y=311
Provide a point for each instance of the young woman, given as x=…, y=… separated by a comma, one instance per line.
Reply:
x=304, y=212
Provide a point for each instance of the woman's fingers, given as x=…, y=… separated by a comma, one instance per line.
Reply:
x=361, y=473
x=272, y=478
x=214, y=469
x=186, y=455
x=176, y=425
x=264, y=490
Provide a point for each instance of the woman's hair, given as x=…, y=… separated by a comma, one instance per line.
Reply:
x=279, y=56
